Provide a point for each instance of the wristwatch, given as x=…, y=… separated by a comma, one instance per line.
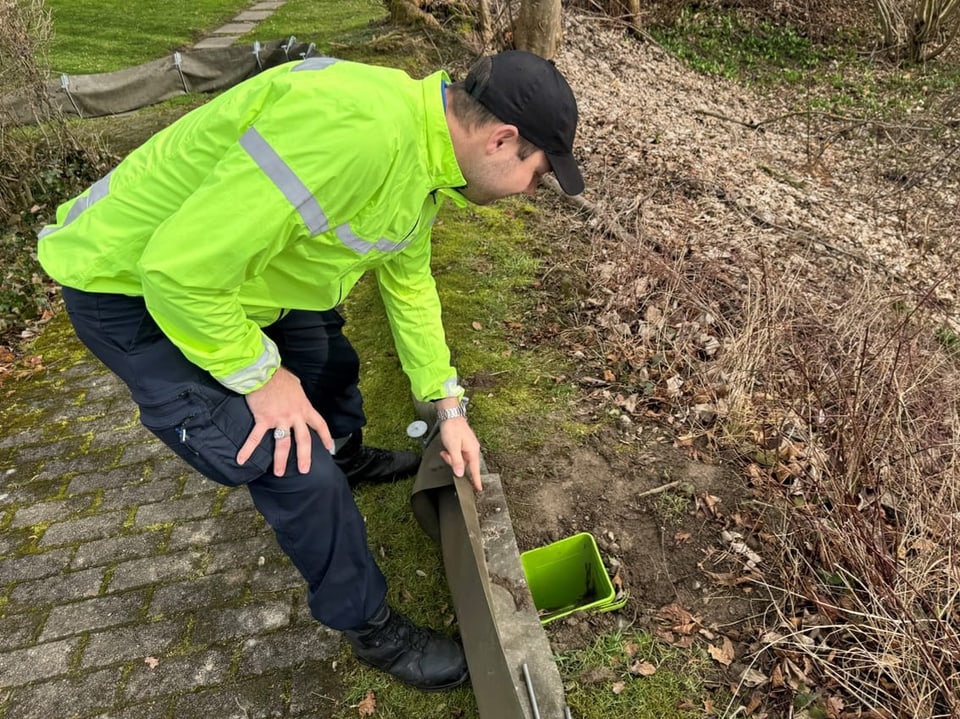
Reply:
x=459, y=411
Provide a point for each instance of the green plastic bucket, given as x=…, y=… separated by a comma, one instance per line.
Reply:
x=568, y=576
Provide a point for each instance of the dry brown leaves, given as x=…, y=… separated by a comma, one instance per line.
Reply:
x=368, y=705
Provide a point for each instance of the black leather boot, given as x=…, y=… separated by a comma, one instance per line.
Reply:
x=371, y=464
x=420, y=657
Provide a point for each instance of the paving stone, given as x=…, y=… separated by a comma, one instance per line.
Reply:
x=255, y=618
x=135, y=642
x=34, y=566
x=253, y=16
x=106, y=479
x=234, y=28
x=65, y=446
x=18, y=630
x=147, y=710
x=105, y=386
x=222, y=528
x=171, y=467
x=211, y=590
x=173, y=511
x=126, y=547
x=65, y=587
x=251, y=699
x=34, y=490
x=145, y=452
x=96, y=613
x=50, y=511
x=180, y=674
x=80, y=461
x=275, y=577
x=238, y=500
x=222, y=41
x=85, y=368
x=312, y=690
x=97, y=526
x=80, y=414
x=7, y=475
x=43, y=661
x=73, y=696
x=196, y=484
x=144, y=492
x=15, y=541
x=101, y=406
x=130, y=432
x=288, y=648
x=32, y=439
x=245, y=553
x=151, y=570
x=301, y=610
x=11, y=440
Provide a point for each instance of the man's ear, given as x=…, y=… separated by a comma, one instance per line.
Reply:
x=501, y=135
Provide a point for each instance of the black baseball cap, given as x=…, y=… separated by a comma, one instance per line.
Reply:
x=528, y=91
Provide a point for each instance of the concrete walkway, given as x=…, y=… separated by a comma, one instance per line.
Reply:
x=131, y=587
x=240, y=25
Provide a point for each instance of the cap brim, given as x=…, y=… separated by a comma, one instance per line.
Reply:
x=567, y=173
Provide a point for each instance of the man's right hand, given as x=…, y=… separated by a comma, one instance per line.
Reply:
x=282, y=404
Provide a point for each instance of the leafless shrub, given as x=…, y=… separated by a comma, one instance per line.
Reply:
x=815, y=18
x=40, y=166
x=44, y=163
x=918, y=30
x=855, y=415
x=843, y=412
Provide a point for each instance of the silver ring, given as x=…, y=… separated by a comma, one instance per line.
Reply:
x=279, y=433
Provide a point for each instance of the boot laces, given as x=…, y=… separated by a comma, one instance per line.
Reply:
x=402, y=630
x=376, y=454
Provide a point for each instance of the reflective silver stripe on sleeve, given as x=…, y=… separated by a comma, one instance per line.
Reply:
x=98, y=190
x=315, y=63
x=362, y=246
x=452, y=388
x=249, y=378
x=286, y=180
x=299, y=195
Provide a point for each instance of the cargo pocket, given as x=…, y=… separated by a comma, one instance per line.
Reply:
x=206, y=428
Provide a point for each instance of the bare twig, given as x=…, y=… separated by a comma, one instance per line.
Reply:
x=661, y=488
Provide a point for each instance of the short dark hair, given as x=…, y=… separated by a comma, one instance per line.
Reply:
x=471, y=112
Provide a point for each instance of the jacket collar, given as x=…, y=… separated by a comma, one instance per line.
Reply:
x=441, y=163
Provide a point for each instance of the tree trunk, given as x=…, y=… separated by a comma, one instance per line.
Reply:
x=484, y=24
x=627, y=11
x=918, y=30
x=538, y=28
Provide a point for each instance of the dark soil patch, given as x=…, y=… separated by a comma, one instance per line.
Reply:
x=661, y=545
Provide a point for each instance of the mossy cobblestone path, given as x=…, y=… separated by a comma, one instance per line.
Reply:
x=130, y=586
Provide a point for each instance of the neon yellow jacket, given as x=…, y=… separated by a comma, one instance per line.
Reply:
x=278, y=194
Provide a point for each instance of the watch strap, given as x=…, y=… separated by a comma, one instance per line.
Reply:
x=459, y=411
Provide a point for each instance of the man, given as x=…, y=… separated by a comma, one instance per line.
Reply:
x=204, y=271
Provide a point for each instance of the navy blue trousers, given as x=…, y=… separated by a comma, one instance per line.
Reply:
x=313, y=515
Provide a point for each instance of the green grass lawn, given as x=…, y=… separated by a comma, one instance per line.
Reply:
x=93, y=36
